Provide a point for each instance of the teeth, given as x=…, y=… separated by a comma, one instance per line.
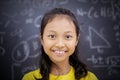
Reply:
x=59, y=52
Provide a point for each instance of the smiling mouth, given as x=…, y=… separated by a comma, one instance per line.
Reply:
x=59, y=52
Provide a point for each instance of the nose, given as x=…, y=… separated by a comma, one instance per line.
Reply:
x=60, y=43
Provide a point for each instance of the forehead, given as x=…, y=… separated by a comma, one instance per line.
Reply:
x=61, y=22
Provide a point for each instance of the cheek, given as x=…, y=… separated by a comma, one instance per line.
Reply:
x=45, y=42
x=46, y=45
x=72, y=47
x=73, y=43
x=46, y=49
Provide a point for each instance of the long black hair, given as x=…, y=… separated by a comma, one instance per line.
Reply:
x=45, y=62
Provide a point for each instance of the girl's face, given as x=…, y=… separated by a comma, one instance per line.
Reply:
x=59, y=39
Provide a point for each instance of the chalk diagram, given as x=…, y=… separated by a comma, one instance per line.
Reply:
x=23, y=51
x=97, y=41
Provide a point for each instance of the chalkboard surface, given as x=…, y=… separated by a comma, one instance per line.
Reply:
x=99, y=42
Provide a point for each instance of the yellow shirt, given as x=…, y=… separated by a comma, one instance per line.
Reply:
x=69, y=76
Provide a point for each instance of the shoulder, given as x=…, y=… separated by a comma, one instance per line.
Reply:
x=90, y=76
x=32, y=75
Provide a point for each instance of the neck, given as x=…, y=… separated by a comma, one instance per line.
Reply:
x=60, y=68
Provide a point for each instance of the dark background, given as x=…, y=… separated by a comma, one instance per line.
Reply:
x=99, y=45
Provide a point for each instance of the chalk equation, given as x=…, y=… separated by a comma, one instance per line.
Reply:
x=17, y=32
x=116, y=28
x=93, y=13
x=103, y=12
x=109, y=61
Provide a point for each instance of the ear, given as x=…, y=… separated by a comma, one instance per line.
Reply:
x=77, y=40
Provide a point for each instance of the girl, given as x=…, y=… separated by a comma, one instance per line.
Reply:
x=59, y=49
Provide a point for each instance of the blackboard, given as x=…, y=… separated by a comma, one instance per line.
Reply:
x=99, y=42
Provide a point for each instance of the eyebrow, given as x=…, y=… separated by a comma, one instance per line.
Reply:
x=68, y=32
x=65, y=32
x=52, y=31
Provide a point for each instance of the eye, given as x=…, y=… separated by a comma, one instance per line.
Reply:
x=51, y=36
x=68, y=37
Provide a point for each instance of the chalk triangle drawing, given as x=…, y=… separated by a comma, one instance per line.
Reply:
x=97, y=40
